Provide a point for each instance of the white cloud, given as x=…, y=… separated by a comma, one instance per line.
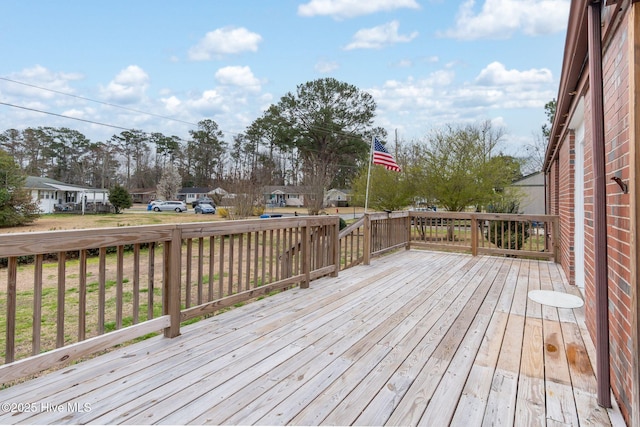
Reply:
x=438, y=99
x=404, y=63
x=238, y=76
x=379, y=37
x=326, y=67
x=128, y=86
x=412, y=94
x=224, y=41
x=502, y=18
x=496, y=74
x=79, y=114
x=172, y=104
x=43, y=78
x=349, y=8
x=210, y=103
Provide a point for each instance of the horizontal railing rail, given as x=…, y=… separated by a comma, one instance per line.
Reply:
x=72, y=293
x=387, y=231
x=486, y=233
x=533, y=236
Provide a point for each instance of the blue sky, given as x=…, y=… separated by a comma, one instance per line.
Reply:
x=427, y=63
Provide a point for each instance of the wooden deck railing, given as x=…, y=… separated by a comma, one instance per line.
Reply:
x=72, y=293
x=532, y=236
x=351, y=244
x=484, y=233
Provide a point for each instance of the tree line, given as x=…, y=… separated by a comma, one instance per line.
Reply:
x=315, y=133
x=317, y=136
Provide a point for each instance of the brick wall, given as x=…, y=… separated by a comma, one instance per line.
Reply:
x=616, y=112
x=561, y=200
x=589, y=243
x=564, y=202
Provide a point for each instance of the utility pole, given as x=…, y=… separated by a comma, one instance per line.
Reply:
x=396, y=143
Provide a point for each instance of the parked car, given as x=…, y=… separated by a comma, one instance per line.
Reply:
x=202, y=200
x=177, y=206
x=205, y=208
x=199, y=200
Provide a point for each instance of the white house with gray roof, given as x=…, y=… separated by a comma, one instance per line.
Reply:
x=56, y=196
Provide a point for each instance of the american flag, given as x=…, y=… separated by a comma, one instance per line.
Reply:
x=382, y=157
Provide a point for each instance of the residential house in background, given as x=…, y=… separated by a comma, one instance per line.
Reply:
x=56, y=196
x=219, y=192
x=189, y=194
x=337, y=198
x=531, y=190
x=284, y=195
x=592, y=169
x=142, y=195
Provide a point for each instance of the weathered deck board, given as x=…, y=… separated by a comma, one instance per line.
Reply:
x=530, y=407
x=473, y=400
x=417, y=337
x=501, y=404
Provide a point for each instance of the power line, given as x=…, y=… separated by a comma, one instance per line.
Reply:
x=63, y=116
x=97, y=102
x=79, y=119
x=125, y=108
x=123, y=128
x=130, y=129
x=315, y=127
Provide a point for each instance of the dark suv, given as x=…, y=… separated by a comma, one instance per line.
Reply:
x=199, y=200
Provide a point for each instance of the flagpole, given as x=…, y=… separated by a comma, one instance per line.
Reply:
x=366, y=198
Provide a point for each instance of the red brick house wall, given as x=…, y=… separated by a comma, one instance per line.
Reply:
x=616, y=119
x=565, y=203
x=589, y=241
x=560, y=168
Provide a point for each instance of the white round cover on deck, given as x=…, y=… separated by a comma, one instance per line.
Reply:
x=556, y=299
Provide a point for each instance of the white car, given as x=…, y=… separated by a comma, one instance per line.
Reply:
x=177, y=206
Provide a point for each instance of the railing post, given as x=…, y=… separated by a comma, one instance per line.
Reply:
x=554, y=240
x=306, y=256
x=474, y=235
x=407, y=225
x=12, y=304
x=172, y=285
x=335, y=249
x=366, y=256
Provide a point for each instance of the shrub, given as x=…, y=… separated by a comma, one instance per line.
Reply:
x=120, y=198
x=507, y=234
x=223, y=212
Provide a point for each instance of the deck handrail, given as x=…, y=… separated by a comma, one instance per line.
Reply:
x=114, y=285
x=103, y=287
x=351, y=244
x=518, y=235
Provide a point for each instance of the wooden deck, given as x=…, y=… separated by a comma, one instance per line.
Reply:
x=417, y=337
